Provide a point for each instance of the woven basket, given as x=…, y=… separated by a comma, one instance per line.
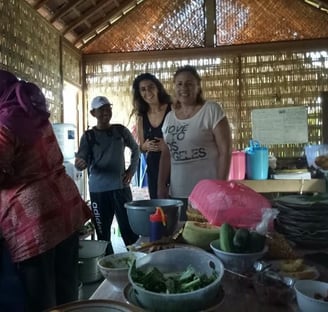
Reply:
x=194, y=215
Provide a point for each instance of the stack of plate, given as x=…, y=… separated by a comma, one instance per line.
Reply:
x=96, y=306
x=303, y=219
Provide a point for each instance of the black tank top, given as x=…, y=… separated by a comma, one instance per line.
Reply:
x=151, y=132
x=153, y=158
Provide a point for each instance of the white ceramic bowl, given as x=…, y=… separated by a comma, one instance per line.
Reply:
x=115, y=267
x=237, y=262
x=305, y=292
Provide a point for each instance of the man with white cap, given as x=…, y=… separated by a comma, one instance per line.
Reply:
x=101, y=151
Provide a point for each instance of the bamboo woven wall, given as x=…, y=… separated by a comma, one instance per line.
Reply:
x=72, y=65
x=239, y=83
x=114, y=79
x=31, y=49
x=284, y=79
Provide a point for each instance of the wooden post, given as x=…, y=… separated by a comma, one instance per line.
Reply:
x=210, y=18
x=324, y=105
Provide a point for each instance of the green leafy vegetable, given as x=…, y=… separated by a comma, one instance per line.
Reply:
x=171, y=283
x=119, y=263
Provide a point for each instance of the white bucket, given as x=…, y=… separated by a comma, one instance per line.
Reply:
x=90, y=251
x=66, y=137
x=80, y=296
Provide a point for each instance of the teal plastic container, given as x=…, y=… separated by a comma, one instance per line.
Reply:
x=257, y=162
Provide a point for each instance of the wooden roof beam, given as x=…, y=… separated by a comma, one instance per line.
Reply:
x=39, y=4
x=321, y=5
x=86, y=15
x=210, y=21
x=106, y=19
x=66, y=8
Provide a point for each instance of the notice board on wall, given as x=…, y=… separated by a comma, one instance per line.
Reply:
x=284, y=125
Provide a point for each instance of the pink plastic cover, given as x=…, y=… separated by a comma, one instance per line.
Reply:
x=228, y=202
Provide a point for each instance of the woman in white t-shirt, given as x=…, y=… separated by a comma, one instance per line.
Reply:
x=198, y=140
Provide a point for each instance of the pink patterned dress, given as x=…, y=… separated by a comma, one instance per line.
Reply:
x=40, y=205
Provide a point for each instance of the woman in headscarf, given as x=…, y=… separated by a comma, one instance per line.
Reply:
x=41, y=210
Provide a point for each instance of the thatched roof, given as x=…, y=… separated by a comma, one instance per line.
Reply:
x=106, y=26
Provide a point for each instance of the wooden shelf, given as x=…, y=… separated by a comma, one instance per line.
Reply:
x=286, y=186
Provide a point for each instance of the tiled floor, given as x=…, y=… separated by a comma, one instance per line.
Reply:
x=117, y=242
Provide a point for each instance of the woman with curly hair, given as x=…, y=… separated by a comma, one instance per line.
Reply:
x=151, y=103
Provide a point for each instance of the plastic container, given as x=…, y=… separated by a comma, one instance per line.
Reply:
x=66, y=137
x=306, y=294
x=257, y=162
x=90, y=251
x=237, y=166
x=139, y=211
x=313, y=151
x=157, y=224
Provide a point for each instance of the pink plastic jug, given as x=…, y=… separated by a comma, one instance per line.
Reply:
x=237, y=166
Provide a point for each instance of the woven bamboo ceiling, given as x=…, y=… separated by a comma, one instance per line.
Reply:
x=104, y=26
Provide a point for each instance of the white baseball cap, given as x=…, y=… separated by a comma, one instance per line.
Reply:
x=99, y=101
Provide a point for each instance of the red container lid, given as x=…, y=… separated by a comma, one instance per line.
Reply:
x=158, y=216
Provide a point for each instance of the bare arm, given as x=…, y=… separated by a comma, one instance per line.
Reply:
x=164, y=173
x=131, y=143
x=140, y=133
x=82, y=155
x=222, y=134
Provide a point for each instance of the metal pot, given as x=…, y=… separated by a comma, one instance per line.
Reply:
x=90, y=251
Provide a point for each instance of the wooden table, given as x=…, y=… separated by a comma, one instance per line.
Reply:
x=286, y=186
x=239, y=295
x=107, y=291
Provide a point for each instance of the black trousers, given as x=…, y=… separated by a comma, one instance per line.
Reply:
x=152, y=173
x=104, y=206
x=51, y=278
x=12, y=297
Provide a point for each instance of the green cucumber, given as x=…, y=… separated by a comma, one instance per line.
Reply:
x=257, y=241
x=227, y=233
x=241, y=240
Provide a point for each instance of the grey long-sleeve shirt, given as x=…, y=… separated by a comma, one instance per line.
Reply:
x=105, y=155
